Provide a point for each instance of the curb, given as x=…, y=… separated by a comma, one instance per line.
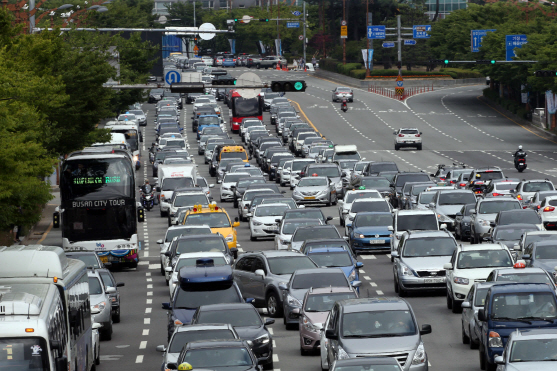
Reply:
x=39, y=231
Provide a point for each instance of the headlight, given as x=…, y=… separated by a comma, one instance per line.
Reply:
x=484, y=222
x=308, y=325
x=342, y=353
x=292, y=301
x=257, y=223
x=407, y=271
x=100, y=306
x=264, y=339
x=352, y=276
x=495, y=340
x=284, y=242
x=461, y=280
x=339, y=184
x=419, y=356
x=229, y=238
x=361, y=236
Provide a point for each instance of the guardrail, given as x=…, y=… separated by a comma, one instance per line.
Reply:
x=392, y=93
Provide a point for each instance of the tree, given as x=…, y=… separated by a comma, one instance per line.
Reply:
x=124, y=14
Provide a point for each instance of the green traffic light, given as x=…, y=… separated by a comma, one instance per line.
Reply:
x=298, y=85
x=235, y=19
x=446, y=61
x=234, y=82
x=492, y=61
x=266, y=19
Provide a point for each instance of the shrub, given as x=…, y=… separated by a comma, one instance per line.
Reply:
x=461, y=73
x=358, y=74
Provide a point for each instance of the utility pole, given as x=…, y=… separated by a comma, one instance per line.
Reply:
x=399, y=40
x=278, y=30
x=368, y=21
x=343, y=40
x=193, y=13
x=304, y=41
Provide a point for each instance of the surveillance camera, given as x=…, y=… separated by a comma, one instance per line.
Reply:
x=230, y=22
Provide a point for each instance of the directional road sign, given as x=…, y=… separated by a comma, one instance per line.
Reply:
x=476, y=37
x=409, y=42
x=421, y=32
x=297, y=13
x=375, y=32
x=388, y=44
x=292, y=24
x=512, y=42
x=172, y=77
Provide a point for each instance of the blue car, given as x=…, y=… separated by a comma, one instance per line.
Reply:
x=337, y=257
x=206, y=120
x=229, y=61
x=370, y=231
x=201, y=285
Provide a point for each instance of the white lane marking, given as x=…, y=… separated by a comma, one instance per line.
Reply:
x=146, y=321
x=362, y=271
x=145, y=332
x=373, y=284
x=388, y=256
x=139, y=359
x=275, y=357
x=367, y=257
x=367, y=278
x=149, y=286
x=270, y=330
x=143, y=345
x=149, y=301
x=152, y=266
x=148, y=310
x=379, y=292
x=149, y=280
x=274, y=344
x=149, y=293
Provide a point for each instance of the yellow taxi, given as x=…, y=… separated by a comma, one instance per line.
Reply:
x=216, y=218
x=238, y=152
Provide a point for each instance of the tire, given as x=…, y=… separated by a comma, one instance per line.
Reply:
x=116, y=317
x=395, y=285
x=465, y=338
x=162, y=213
x=268, y=366
x=335, y=202
x=303, y=352
x=98, y=357
x=258, y=66
x=401, y=292
x=419, y=147
x=456, y=308
x=397, y=147
x=272, y=300
x=520, y=170
x=472, y=237
x=274, y=66
x=162, y=270
x=482, y=360
x=282, y=184
x=449, y=301
x=107, y=334
x=456, y=235
x=341, y=220
x=251, y=238
x=473, y=344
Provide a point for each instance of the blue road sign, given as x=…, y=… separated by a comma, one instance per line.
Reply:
x=512, y=42
x=389, y=45
x=400, y=84
x=292, y=24
x=409, y=42
x=297, y=13
x=172, y=77
x=476, y=37
x=375, y=32
x=421, y=32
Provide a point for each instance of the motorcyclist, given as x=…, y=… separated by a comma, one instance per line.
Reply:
x=518, y=154
x=344, y=105
x=146, y=188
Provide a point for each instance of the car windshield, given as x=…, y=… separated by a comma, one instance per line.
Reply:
x=190, y=200
x=309, y=214
x=484, y=259
x=201, y=245
x=523, y=305
x=523, y=216
x=233, y=177
x=313, y=182
x=377, y=206
x=423, y=222
x=290, y=227
x=170, y=184
x=95, y=287
x=318, y=280
x=91, y=261
x=324, y=171
x=490, y=175
x=299, y=165
x=426, y=198
x=208, y=120
x=481, y=294
x=183, y=337
x=107, y=279
x=176, y=143
x=402, y=179
x=537, y=186
x=274, y=210
x=375, y=182
x=244, y=183
x=236, y=317
x=331, y=259
x=368, y=367
x=324, y=302
x=534, y=350
x=378, y=168
x=312, y=233
x=541, y=277
x=360, y=166
x=373, y=220
x=378, y=324
x=417, y=189
x=137, y=112
x=409, y=131
x=184, y=231
x=546, y=252
x=213, y=220
x=539, y=237
x=347, y=164
x=192, y=262
x=201, y=182
x=286, y=201
x=357, y=195
x=513, y=234
x=428, y=246
x=495, y=206
x=195, y=299
x=249, y=195
x=230, y=358
x=234, y=155
x=289, y=264
x=456, y=198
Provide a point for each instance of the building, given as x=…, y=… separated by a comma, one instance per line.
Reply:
x=160, y=7
x=445, y=7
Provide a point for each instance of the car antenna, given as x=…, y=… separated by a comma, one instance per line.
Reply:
x=331, y=288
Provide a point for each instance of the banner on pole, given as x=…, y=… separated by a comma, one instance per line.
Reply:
x=367, y=55
x=232, y=43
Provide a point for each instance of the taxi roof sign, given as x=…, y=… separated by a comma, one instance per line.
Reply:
x=233, y=149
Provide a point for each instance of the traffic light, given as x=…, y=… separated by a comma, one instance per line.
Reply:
x=288, y=85
x=485, y=61
x=399, y=65
x=187, y=87
x=446, y=61
x=224, y=81
x=264, y=19
x=545, y=73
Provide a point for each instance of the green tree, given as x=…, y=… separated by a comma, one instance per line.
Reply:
x=124, y=14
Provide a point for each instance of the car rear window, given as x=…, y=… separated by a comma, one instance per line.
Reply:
x=409, y=131
x=490, y=175
x=318, y=280
x=404, y=178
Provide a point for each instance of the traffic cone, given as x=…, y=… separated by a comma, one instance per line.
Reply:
x=278, y=67
x=305, y=68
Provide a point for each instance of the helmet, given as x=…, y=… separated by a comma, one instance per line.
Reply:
x=184, y=367
x=478, y=175
x=519, y=147
x=146, y=181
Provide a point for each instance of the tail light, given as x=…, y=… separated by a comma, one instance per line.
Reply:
x=442, y=178
x=452, y=182
x=417, y=135
x=462, y=184
x=497, y=194
x=539, y=206
x=548, y=208
x=401, y=135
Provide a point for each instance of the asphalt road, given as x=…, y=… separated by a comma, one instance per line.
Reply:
x=456, y=126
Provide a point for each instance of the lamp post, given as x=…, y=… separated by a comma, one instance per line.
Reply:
x=52, y=12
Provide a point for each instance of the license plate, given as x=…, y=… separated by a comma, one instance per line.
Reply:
x=409, y=141
x=309, y=198
x=376, y=242
x=434, y=280
x=104, y=259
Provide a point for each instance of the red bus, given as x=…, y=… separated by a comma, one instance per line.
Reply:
x=243, y=108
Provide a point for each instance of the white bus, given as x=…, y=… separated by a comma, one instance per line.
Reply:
x=36, y=277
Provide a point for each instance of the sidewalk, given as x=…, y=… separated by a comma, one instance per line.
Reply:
x=39, y=231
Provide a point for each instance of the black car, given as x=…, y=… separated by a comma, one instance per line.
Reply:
x=400, y=180
x=109, y=281
x=374, y=168
x=191, y=97
x=462, y=222
x=218, y=355
x=243, y=184
x=248, y=324
x=310, y=213
x=155, y=95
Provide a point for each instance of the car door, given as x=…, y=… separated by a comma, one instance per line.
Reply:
x=241, y=271
x=332, y=349
x=467, y=313
x=256, y=282
x=449, y=273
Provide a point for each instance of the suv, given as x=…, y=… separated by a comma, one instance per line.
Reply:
x=485, y=212
x=526, y=190
x=471, y=264
x=100, y=297
x=400, y=180
x=374, y=327
x=408, y=137
x=447, y=203
x=406, y=220
x=419, y=260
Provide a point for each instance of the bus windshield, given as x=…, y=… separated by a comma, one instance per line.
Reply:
x=243, y=107
x=29, y=353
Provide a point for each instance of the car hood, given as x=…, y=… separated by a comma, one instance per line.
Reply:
x=547, y=264
x=311, y=189
x=249, y=332
x=509, y=243
x=296, y=245
x=427, y=263
x=370, y=346
x=265, y=219
x=528, y=366
x=448, y=209
x=184, y=315
x=372, y=230
x=490, y=217
x=317, y=317
x=96, y=299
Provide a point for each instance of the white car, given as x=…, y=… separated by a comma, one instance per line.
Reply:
x=189, y=260
x=408, y=137
x=287, y=229
x=548, y=212
x=364, y=205
x=264, y=223
x=472, y=263
x=207, y=60
x=526, y=189
x=245, y=202
x=229, y=180
x=96, y=342
x=350, y=196
x=177, y=231
x=185, y=199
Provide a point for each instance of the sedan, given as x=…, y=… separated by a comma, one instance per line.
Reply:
x=288, y=227
x=370, y=231
x=317, y=189
x=341, y=93
x=265, y=219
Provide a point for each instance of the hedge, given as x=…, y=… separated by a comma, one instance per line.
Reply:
x=510, y=105
x=461, y=73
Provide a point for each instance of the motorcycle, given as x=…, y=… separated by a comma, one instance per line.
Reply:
x=344, y=106
x=520, y=161
x=148, y=200
x=478, y=187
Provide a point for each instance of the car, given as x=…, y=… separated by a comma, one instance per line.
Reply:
x=302, y=234
x=215, y=217
x=423, y=200
x=529, y=349
x=307, y=213
x=519, y=273
x=331, y=171
x=548, y=212
x=400, y=179
x=374, y=182
x=447, y=203
x=405, y=220
x=533, y=236
x=377, y=167
x=350, y=196
x=265, y=219
x=109, y=281
x=370, y=231
x=480, y=178
x=462, y=222
x=140, y=116
x=155, y=95
x=301, y=281
x=245, y=202
x=336, y=257
x=271, y=197
x=520, y=216
x=366, y=363
x=246, y=322
x=342, y=92
x=91, y=259
x=485, y=212
x=99, y=296
x=314, y=311
x=539, y=197
x=470, y=306
x=292, y=176
x=374, y=327
x=510, y=234
x=217, y=355
x=419, y=261
x=188, y=334
x=183, y=198
x=287, y=227
x=541, y=254
x=334, y=243
x=410, y=192
x=242, y=184
x=526, y=189
x=315, y=189
x=365, y=205
x=503, y=187
x=408, y=137
x=470, y=264
x=230, y=179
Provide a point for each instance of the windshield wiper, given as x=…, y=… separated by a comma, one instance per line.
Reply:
x=535, y=319
x=358, y=336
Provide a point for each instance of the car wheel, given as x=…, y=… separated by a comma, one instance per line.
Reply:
x=473, y=344
x=482, y=360
x=472, y=237
x=303, y=352
x=235, y=204
x=335, y=201
x=268, y=366
x=401, y=292
x=419, y=147
x=449, y=301
x=456, y=306
x=107, y=333
x=273, y=305
x=258, y=66
x=341, y=219
x=395, y=284
x=98, y=357
x=282, y=184
x=456, y=234
x=116, y=317
x=465, y=338
x=162, y=270
x=397, y=147
x=251, y=238
x=162, y=213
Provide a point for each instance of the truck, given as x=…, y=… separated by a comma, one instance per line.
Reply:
x=171, y=177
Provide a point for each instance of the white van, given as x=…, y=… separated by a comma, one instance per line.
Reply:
x=171, y=177
x=347, y=152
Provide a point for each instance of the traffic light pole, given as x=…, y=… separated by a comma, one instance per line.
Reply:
x=304, y=35
x=399, y=41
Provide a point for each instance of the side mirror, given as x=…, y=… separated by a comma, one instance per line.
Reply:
x=111, y=290
x=236, y=224
x=160, y=242
x=466, y=304
x=492, y=224
x=499, y=360
x=359, y=265
x=458, y=214
x=260, y=272
x=329, y=218
x=168, y=253
x=346, y=238
x=160, y=348
x=295, y=312
x=356, y=283
x=473, y=211
x=481, y=314
x=166, y=306
x=269, y=321
x=448, y=266
x=283, y=286
x=426, y=329
x=351, y=218
x=526, y=257
x=120, y=284
x=330, y=334
x=277, y=220
x=168, y=269
x=213, y=186
x=390, y=228
x=516, y=247
x=431, y=205
x=394, y=254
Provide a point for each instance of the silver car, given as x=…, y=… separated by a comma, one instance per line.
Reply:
x=526, y=189
x=447, y=203
x=474, y=301
x=315, y=189
x=100, y=303
x=342, y=92
x=229, y=180
x=533, y=349
x=485, y=212
x=288, y=227
x=140, y=116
